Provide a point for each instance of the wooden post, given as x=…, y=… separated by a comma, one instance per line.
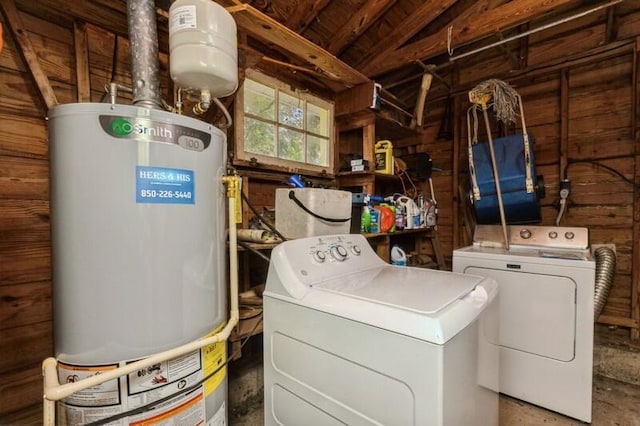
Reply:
x=455, y=179
x=14, y=22
x=635, y=251
x=564, y=121
x=82, y=61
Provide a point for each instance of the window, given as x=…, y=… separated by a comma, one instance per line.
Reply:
x=280, y=126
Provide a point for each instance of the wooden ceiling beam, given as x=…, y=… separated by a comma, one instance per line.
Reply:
x=358, y=23
x=305, y=13
x=465, y=30
x=419, y=19
x=259, y=25
x=28, y=53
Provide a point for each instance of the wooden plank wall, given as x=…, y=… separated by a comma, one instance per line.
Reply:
x=597, y=96
x=584, y=109
x=26, y=332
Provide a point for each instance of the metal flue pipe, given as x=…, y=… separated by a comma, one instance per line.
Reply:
x=143, y=39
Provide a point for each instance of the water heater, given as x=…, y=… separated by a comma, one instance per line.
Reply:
x=138, y=235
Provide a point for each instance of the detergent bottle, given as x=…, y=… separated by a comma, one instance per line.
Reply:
x=398, y=256
x=411, y=211
x=387, y=218
x=374, y=222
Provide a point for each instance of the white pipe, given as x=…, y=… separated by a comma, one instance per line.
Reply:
x=225, y=111
x=535, y=30
x=54, y=391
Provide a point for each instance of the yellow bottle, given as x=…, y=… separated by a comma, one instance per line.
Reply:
x=384, y=157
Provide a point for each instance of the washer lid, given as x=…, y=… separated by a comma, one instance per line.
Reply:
x=424, y=291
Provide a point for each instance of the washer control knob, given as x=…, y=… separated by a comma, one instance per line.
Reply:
x=356, y=250
x=319, y=256
x=569, y=235
x=553, y=235
x=339, y=253
x=525, y=234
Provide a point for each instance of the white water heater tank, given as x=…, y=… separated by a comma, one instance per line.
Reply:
x=138, y=244
x=203, y=47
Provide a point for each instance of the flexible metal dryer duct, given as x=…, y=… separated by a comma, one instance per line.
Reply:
x=145, y=67
x=605, y=269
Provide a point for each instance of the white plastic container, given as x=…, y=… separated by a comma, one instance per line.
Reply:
x=294, y=222
x=398, y=256
x=203, y=47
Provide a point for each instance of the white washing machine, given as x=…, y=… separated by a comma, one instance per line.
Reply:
x=350, y=339
x=546, y=281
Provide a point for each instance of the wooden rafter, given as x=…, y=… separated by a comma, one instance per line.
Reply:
x=304, y=14
x=419, y=19
x=465, y=30
x=358, y=23
x=263, y=27
x=82, y=61
x=13, y=20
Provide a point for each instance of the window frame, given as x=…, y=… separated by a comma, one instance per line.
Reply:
x=242, y=156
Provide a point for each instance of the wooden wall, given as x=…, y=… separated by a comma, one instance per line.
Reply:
x=53, y=28
x=579, y=84
x=580, y=110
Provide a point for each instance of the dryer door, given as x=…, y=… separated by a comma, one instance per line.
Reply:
x=537, y=312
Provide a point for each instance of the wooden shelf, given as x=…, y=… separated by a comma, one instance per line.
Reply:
x=370, y=235
x=257, y=246
x=366, y=180
x=382, y=243
x=391, y=129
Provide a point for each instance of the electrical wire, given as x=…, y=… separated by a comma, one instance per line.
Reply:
x=563, y=206
x=292, y=197
x=149, y=406
x=259, y=216
x=412, y=192
x=251, y=249
x=604, y=166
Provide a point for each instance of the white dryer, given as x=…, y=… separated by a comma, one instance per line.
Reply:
x=546, y=281
x=350, y=339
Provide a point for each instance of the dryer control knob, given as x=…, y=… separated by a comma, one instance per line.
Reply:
x=569, y=235
x=339, y=253
x=553, y=235
x=356, y=250
x=319, y=256
x=525, y=233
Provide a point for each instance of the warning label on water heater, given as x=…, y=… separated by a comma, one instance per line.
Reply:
x=165, y=186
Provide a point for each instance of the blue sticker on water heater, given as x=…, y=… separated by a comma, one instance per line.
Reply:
x=165, y=186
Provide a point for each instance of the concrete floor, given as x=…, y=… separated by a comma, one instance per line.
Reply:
x=614, y=404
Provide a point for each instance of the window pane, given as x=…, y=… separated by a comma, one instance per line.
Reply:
x=317, y=151
x=290, y=145
x=317, y=120
x=259, y=137
x=291, y=111
x=259, y=100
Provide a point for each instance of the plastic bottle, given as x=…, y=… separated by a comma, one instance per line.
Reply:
x=365, y=221
x=398, y=256
x=374, y=224
x=400, y=218
x=387, y=218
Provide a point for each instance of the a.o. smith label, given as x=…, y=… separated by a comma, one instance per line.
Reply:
x=154, y=131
